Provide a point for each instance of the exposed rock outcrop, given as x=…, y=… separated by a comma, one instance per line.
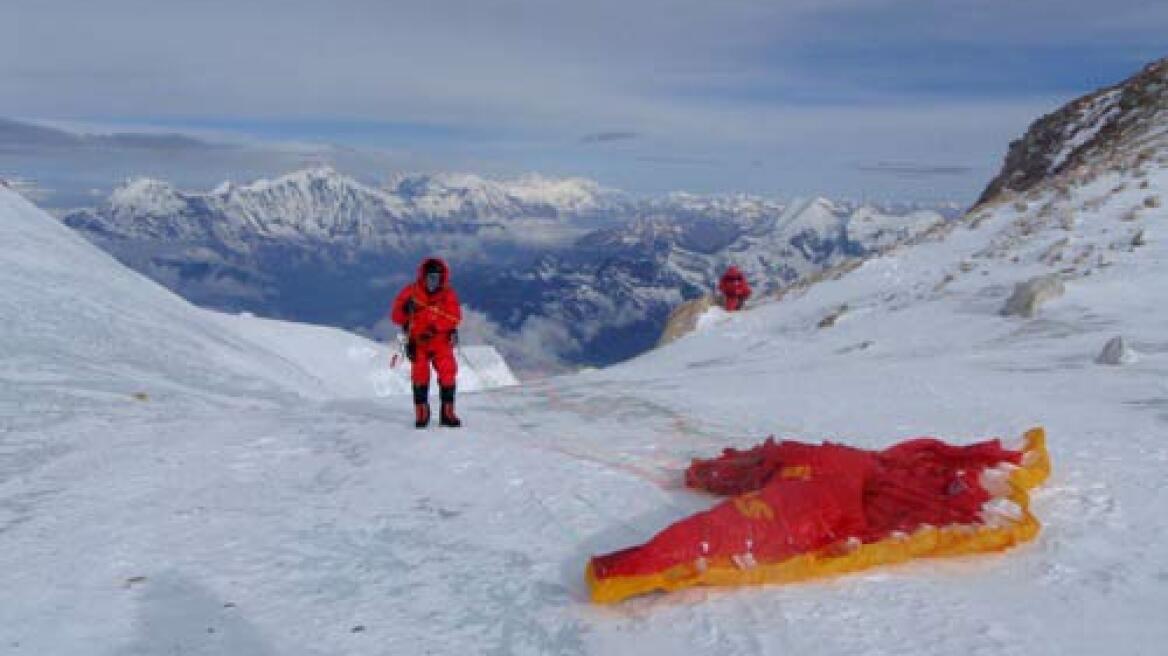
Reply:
x=684, y=319
x=1030, y=295
x=1086, y=129
x=831, y=317
x=1116, y=352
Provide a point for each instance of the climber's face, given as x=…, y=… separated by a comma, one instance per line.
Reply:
x=433, y=281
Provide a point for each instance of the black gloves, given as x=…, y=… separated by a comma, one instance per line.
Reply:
x=409, y=306
x=454, y=337
x=411, y=350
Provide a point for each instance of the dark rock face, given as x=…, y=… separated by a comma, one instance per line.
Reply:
x=1083, y=129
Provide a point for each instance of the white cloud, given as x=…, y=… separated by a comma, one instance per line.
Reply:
x=462, y=62
x=699, y=79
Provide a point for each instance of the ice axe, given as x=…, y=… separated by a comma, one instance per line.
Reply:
x=398, y=353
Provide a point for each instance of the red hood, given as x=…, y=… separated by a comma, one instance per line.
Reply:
x=422, y=271
x=732, y=272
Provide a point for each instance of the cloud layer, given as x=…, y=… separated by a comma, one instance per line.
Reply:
x=804, y=87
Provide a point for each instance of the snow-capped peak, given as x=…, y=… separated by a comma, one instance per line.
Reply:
x=320, y=204
x=466, y=194
x=145, y=197
x=303, y=178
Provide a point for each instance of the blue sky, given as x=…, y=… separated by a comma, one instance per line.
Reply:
x=876, y=98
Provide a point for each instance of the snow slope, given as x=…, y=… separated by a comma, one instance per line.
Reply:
x=352, y=367
x=244, y=509
x=237, y=518
x=77, y=319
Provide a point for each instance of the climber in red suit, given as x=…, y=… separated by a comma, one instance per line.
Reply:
x=735, y=290
x=429, y=313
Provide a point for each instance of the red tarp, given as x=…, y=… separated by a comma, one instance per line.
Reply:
x=814, y=502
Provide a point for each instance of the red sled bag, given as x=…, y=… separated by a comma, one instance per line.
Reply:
x=799, y=511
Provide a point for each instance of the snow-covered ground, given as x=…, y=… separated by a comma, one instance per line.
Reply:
x=248, y=506
x=73, y=315
x=351, y=367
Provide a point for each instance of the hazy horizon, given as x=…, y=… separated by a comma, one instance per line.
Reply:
x=873, y=98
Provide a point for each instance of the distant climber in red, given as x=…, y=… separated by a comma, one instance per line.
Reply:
x=735, y=290
x=429, y=313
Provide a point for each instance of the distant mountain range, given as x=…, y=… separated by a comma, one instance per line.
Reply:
x=557, y=271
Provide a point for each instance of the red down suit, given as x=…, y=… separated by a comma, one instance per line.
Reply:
x=430, y=321
x=734, y=288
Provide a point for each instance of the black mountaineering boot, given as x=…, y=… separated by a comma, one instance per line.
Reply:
x=421, y=406
x=446, y=416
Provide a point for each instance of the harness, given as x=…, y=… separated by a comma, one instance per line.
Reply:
x=433, y=308
x=420, y=307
